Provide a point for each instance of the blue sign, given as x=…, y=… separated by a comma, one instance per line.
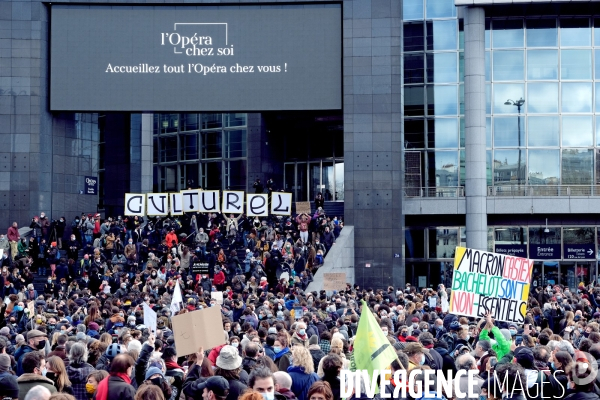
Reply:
x=516, y=250
x=91, y=185
x=544, y=251
x=580, y=251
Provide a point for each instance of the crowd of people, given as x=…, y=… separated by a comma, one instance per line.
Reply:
x=84, y=337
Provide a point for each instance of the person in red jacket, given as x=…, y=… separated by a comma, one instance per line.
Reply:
x=170, y=238
x=219, y=280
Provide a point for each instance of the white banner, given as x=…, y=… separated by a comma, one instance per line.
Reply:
x=281, y=203
x=135, y=204
x=175, y=204
x=191, y=199
x=149, y=318
x=233, y=202
x=257, y=205
x=209, y=201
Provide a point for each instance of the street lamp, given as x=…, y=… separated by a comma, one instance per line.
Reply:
x=518, y=104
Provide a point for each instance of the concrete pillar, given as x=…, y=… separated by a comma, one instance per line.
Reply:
x=475, y=153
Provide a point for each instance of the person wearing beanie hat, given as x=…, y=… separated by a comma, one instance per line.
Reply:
x=93, y=330
x=9, y=387
x=503, y=339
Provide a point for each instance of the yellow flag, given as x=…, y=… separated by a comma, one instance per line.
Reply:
x=372, y=350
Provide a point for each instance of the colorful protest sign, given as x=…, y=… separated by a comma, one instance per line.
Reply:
x=200, y=328
x=490, y=282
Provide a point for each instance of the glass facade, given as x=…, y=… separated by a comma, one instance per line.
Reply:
x=200, y=150
x=552, y=63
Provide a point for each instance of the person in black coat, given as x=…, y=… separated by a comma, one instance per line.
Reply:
x=448, y=362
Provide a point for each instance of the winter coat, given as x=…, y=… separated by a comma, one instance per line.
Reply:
x=316, y=353
x=78, y=374
x=301, y=381
x=26, y=382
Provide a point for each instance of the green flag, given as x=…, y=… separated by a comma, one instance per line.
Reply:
x=372, y=350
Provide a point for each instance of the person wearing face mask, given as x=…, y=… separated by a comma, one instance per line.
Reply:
x=57, y=373
x=262, y=381
x=34, y=374
x=300, y=338
x=416, y=355
x=36, y=340
x=156, y=377
x=91, y=384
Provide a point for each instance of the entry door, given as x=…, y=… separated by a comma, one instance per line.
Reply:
x=301, y=182
x=315, y=179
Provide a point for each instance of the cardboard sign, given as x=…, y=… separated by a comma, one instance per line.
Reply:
x=485, y=282
x=149, y=318
x=303, y=207
x=334, y=281
x=217, y=296
x=200, y=328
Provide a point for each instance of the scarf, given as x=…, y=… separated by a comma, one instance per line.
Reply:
x=102, y=391
x=282, y=353
x=172, y=365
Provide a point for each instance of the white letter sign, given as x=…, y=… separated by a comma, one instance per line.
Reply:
x=190, y=200
x=176, y=204
x=233, y=202
x=157, y=204
x=257, y=205
x=281, y=203
x=209, y=201
x=135, y=204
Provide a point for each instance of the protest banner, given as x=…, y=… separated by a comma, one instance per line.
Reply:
x=200, y=328
x=149, y=318
x=485, y=282
x=196, y=200
x=334, y=281
x=303, y=207
x=217, y=296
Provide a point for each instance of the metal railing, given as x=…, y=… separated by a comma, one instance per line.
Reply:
x=544, y=190
x=449, y=191
x=508, y=191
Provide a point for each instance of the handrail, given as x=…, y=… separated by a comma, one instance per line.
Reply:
x=445, y=191
x=543, y=190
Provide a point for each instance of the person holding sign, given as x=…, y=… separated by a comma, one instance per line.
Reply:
x=502, y=345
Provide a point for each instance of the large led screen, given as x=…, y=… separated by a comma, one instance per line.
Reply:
x=179, y=58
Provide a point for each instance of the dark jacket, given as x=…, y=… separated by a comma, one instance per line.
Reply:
x=78, y=374
x=248, y=363
x=119, y=389
x=316, y=353
x=19, y=354
x=583, y=396
x=9, y=385
x=193, y=379
x=301, y=381
x=334, y=382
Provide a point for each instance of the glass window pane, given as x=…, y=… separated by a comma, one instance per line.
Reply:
x=414, y=243
x=442, y=35
x=508, y=65
x=168, y=149
x=414, y=37
x=505, y=91
x=169, y=179
x=542, y=97
x=575, y=32
x=236, y=175
x=414, y=68
x=597, y=97
x=488, y=132
x=236, y=143
x=597, y=65
x=339, y=180
x=597, y=32
x=509, y=167
x=440, y=9
x=190, y=176
x=488, y=167
x=414, y=133
x=212, y=121
x=190, y=122
x=487, y=33
x=414, y=100
x=441, y=68
x=442, y=133
x=577, y=166
x=543, y=167
x=576, y=64
x=235, y=119
x=542, y=131
x=189, y=147
x=577, y=131
x=212, y=175
x=412, y=9
x=488, y=98
x=507, y=33
x=598, y=167
x=542, y=33
x=542, y=64
x=443, y=168
x=443, y=100
x=488, y=74
x=211, y=145
x=443, y=242
x=506, y=131
x=576, y=97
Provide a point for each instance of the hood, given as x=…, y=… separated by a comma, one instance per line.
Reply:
x=117, y=318
x=34, y=378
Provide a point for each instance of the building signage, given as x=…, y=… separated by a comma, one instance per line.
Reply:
x=196, y=58
x=544, y=251
x=516, y=250
x=580, y=251
x=91, y=185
